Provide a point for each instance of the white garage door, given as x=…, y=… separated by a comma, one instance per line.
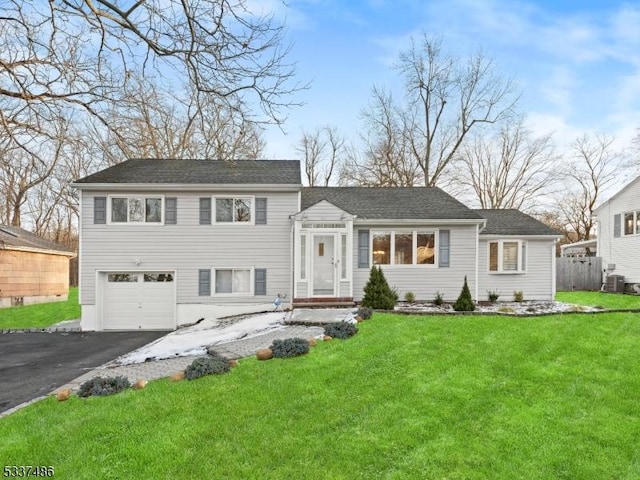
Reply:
x=139, y=301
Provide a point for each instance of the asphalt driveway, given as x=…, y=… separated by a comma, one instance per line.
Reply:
x=34, y=364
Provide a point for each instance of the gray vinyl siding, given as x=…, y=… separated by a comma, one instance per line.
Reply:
x=424, y=281
x=537, y=281
x=188, y=247
x=623, y=251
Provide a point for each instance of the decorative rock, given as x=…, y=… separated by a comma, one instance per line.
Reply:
x=312, y=342
x=326, y=338
x=264, y=353
x=176, y=377
x=63, y=395
x=359, y=319
x=233, y=363
x=140, y=384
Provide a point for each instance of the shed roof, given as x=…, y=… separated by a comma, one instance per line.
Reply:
x=19, y=239
x=389, y=203
x=193, y=171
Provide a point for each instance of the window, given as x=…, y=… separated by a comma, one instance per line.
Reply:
x=343, y=257
x=303, y=257
x=507, y=256
x=632, y=223
x=233, y=281
x=381, y=248
x=234, y=210
x=158, y=277
x=122, y=277
x=136, y=210
x=403, y=248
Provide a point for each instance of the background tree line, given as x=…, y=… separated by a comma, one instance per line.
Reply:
x=88, y=84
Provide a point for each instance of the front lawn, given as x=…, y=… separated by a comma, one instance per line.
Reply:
x=422, y=397
x=610, y=301
x=41, y=315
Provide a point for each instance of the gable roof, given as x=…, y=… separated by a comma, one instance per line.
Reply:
x=15, y=238
x=513, y=222
x=196, y=172
x=388, y=203
x=617, y=194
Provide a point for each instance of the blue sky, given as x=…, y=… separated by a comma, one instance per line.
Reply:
x=577, y=62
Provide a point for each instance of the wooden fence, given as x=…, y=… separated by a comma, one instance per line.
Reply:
x=73, y=272
x=578, y=273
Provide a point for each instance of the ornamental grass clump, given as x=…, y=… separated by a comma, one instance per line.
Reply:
x=100, y=386
x=213, y=364
x=342, y=330
x=289, y=347
x=464, y=303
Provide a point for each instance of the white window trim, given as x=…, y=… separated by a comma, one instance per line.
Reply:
x=414, y=233
x=636, y=217
x=214, y=220
x=251, y=292
x=144, y=197
x=522, y=259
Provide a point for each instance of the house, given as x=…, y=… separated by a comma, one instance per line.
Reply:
x=583, y=248
x=164, y=243
x=32, y=269
x=618, y=225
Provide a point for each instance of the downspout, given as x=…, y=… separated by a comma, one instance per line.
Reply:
x=292, y=270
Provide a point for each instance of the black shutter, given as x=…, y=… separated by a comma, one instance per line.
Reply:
x=100, y=210
x=444, y=248
x=204, y=282
x=205, y=211
x=261, y=211
x=170, y=211
x=363, y=248
x=260, y=281
x=617, y=225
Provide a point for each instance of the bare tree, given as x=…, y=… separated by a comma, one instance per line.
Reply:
x=593, y=168
x=446, y=98
x=387, y=160
x=323, y=151
x=82, y=54
x=511, y=170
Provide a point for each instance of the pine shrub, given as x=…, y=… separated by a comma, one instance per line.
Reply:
x=289, y=347
x=100, y=386
x=342, y=330
x=364, y=313
x=464, y=303
x=377, y=293
x=212, y=364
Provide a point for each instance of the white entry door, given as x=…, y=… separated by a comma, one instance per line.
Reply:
x=324, y=265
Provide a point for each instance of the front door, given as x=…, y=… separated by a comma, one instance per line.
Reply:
x=324, y=265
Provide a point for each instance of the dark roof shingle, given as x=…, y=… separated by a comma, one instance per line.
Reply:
x=390, y=203
x=19, y=238
x=513, y=222
x=155, y=171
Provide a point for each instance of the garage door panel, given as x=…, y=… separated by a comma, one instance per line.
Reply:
x=139, y=301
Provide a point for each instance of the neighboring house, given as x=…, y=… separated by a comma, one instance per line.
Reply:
x=618, y=225
x=166, y=242
x=32, y=269
x=583, y=248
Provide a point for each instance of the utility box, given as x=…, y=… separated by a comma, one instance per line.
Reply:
x=615, y=284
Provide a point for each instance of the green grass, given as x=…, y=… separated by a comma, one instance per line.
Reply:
x=407, y=397
x=610, y=301
x=41, y=315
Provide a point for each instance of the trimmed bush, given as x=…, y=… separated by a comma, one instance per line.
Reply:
x=439, y=300
x=409, y=297
x=341, y=330
x=212, y=364
x=518, y=296
x=289, y=347
x=100, y=386
x=464, y=303
x=493, y=295
x=377, y=293
x=364, y=313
